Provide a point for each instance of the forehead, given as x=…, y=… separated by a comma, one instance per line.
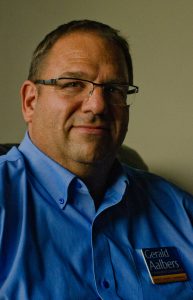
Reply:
x=88, y=51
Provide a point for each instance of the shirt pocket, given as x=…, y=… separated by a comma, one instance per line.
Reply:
x=178, y=290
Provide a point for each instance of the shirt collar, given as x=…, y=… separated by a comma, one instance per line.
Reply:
x=52, y=176
x=117, y=186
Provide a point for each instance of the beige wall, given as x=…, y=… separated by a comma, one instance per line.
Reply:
x=161, y=38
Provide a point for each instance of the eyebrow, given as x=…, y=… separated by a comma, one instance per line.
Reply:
x=77, y=74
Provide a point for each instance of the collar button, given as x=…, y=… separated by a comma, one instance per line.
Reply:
x=61, y=200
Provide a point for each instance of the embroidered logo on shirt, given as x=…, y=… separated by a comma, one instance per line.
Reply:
x=164, y=265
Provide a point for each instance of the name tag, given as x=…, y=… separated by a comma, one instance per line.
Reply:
x=164, y=265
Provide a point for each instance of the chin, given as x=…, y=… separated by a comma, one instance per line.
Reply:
x=96, y=157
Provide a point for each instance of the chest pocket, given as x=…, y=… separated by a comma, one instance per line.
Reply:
x=165, y=291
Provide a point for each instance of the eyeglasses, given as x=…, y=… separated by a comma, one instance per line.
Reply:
x=121, y=94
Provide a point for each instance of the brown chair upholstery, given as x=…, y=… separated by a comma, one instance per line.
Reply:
x=130, y=157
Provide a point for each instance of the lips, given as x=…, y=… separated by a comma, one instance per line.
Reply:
x=92, y=129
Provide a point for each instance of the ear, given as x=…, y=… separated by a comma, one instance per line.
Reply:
x=29, y=96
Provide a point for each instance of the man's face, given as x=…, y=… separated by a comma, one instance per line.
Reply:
x=83, y=130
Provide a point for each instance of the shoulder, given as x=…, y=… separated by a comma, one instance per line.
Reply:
x=149, y=180
x=13, y=183
x=12, y=166
x=157, y=189
x=13, y=157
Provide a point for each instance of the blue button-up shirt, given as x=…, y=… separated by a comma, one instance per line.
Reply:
x=55, y=245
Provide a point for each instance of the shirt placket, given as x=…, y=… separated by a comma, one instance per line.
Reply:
x=102, y=265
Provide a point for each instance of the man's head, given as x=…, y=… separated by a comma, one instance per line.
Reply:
x=72, y=127
x=50, y=39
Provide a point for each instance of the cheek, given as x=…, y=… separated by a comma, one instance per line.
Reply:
x=122, y=120
x=52, y=113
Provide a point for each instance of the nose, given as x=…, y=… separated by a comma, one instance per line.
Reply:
x=95, y=102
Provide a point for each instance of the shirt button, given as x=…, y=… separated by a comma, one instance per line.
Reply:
x=106, y=284
x=61, y=200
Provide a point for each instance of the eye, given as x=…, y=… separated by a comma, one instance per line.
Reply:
x=71, y=84
x=114, y=89
x=109, y=88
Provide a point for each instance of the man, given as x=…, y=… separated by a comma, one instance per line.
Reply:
x=75, y=223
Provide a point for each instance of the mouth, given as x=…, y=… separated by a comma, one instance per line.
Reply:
x=92, y=129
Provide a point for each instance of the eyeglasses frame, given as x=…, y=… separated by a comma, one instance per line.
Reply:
x=53, y=81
